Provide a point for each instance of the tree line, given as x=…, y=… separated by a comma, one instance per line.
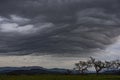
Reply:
x=98, y=65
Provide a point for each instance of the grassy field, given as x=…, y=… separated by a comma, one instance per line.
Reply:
x=59, y=77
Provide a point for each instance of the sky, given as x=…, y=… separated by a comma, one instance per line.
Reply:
x=47, y=32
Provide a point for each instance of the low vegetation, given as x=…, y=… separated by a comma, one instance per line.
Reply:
x=59, y=77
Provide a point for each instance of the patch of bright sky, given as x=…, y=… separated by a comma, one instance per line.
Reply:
x=111, y=53
x=43, y=61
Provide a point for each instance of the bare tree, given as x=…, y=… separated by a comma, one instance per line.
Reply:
x=98, y=65
x=82, y=66
x=108, y=65
x=115, y=64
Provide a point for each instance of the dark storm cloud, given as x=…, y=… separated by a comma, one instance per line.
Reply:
x=57, y=26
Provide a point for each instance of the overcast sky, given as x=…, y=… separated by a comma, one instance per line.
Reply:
x=46, y=32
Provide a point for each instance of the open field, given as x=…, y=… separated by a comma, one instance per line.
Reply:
x=59, y=77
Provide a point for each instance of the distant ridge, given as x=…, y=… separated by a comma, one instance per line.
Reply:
x=32, y=70
x=40, y=70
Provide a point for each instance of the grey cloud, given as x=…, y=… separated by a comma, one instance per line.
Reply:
x=97, y=16
x=67, y=27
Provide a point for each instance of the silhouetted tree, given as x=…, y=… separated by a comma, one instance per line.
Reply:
x=108, y=65
x=115, y=64
x=82, y=66
x=98, y=65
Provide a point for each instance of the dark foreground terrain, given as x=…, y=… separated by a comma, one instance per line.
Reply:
x=40, y=73
x=59, y=77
